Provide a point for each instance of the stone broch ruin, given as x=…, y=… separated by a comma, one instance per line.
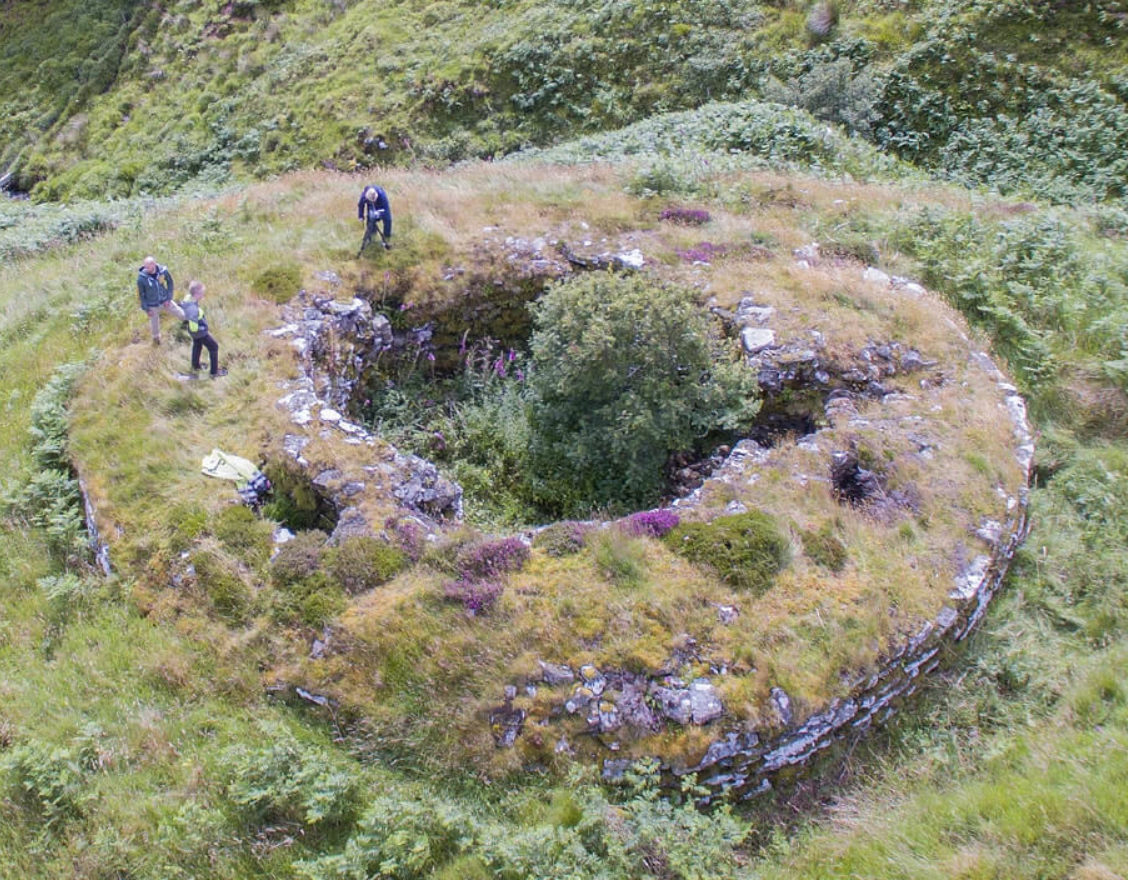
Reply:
x=333, y=341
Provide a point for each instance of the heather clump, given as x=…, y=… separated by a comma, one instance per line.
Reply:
x=481, y=572
x=562, y=538
x=650, y=523
x=685, y=216
x=745, y=550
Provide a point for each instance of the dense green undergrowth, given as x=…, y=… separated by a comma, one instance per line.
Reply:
x=1022, y=96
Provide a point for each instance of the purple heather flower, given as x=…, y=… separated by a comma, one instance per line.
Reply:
x=654, y=523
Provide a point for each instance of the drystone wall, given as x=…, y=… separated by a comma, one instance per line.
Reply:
x=332, y=339
x=742, y=763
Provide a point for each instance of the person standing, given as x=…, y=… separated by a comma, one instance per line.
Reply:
x=373, y=208
x=198, y=328
x=154, y=287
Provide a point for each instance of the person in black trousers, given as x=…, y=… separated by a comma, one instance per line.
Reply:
x=198, y=328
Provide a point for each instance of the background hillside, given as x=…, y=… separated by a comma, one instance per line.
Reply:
x=107, y=99
x=136, y=737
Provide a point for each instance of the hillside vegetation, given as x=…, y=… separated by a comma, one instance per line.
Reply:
x=149, y=727
x=111, y=98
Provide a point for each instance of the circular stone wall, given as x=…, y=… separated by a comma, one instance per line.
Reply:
x=901, y=440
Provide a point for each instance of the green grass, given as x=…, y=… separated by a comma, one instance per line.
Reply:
x=158, y=695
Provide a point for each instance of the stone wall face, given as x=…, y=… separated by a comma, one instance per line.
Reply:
x=741, y=764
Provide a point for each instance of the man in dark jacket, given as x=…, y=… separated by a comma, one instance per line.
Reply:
x=154, y=287
x=373, y=209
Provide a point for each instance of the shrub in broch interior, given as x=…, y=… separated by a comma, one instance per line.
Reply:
x=362, y=563
x=562, y=538
x=653, y=523
x=624, y=373
x=746, y=550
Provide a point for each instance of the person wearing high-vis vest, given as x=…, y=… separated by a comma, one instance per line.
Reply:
x=198, y=328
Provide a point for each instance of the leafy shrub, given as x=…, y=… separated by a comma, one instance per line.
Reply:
x=298, y=558
x=623, y=374
x=562, y=538
x=824, y=547
x=652, y=523
x=746, y=550
x=289, y=781
x=279, y=283
x=51, y=498
x=362, y=563
x=831, y=90
x=638, y=834
x=50, y=780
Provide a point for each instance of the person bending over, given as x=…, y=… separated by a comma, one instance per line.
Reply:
x=374, y=210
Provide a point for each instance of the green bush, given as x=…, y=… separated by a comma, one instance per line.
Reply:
x=624, y=373
x=298, y=558
x=824, y=547
x=746, y=550
x=279, y=283
x=243, y=533
x=287, y=781
x=363, y=563
x=50, y=781
x=51, y=499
